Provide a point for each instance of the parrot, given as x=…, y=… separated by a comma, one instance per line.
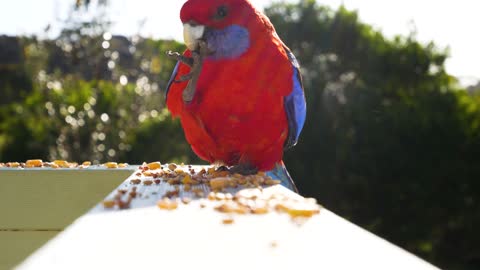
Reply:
x=237, y=88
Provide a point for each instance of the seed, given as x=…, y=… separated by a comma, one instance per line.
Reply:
x=260, y=210
x=271, y=182
x=61, y=163
x=86, y=163
x=228, y=196
x=111, y=165
x=187, y=179
x=179, y=171
x=240, y=209
x=33, y=163
x=167, y=204
x=154, y=165
x=227, y=207
x=173, y=181
x=172, y=166
x=148, y=173
x=147, y=182
x=135, y=181
x=301, y=210
x=124, y=204
x=198, y=192
x=171, y=193
x=108, y=203
x=186, y=200
x=13, y=164
x=227, y=220
x=157, y=181
x=219, y=196
x=219, y=183
x=211, y=196
x=122, y=165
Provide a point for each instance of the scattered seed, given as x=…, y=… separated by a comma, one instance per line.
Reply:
x=154, y=165
x=167, y=204
x=34, y=163
x=227, y=220
x=111, y=165
x=108, y=203
x=147, y=182
x=135, y=181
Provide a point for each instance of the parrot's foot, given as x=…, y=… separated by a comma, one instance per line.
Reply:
x=195, y=63
x=244, y=169
x=182, y=58
x=222, y=168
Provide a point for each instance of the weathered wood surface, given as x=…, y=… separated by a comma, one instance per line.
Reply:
x=191, y=237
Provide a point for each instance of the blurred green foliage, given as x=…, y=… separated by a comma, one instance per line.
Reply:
x=391, y=142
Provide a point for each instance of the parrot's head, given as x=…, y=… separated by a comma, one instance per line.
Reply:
x=224, y=24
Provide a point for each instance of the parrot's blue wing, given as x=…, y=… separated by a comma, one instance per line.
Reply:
x=172, y=78
x=295, y=104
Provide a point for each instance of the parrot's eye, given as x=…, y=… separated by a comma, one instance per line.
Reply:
x=221, y=12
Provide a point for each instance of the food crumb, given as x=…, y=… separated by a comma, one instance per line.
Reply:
x=147, y=182
x=108, y=203
x=167, y=204
x=227, y=220
x=135, y=181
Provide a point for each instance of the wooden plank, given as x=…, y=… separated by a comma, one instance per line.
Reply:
x=15, y=246
x=146, y=237
x=188, y=238
x=51, y=199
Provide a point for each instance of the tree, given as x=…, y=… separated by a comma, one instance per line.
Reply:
x=390, y=142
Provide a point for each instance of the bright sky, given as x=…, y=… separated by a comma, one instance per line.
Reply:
x=451, y=23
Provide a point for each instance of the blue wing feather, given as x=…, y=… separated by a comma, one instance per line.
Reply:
x=295, y=105
x=172, y=78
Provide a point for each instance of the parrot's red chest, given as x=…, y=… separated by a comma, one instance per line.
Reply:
x=237, y=114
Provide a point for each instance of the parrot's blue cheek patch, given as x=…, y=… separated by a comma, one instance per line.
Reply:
x=228, y=43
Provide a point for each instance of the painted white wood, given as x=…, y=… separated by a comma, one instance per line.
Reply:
x=146, y=237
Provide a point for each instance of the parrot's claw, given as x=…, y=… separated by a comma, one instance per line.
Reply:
x=184, y=59
x=243, y=169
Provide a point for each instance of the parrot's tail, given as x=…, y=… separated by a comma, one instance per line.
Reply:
x=279, y=172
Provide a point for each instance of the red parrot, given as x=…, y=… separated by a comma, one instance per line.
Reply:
x=237, y=88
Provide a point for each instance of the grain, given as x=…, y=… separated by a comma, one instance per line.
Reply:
x=167, y=204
